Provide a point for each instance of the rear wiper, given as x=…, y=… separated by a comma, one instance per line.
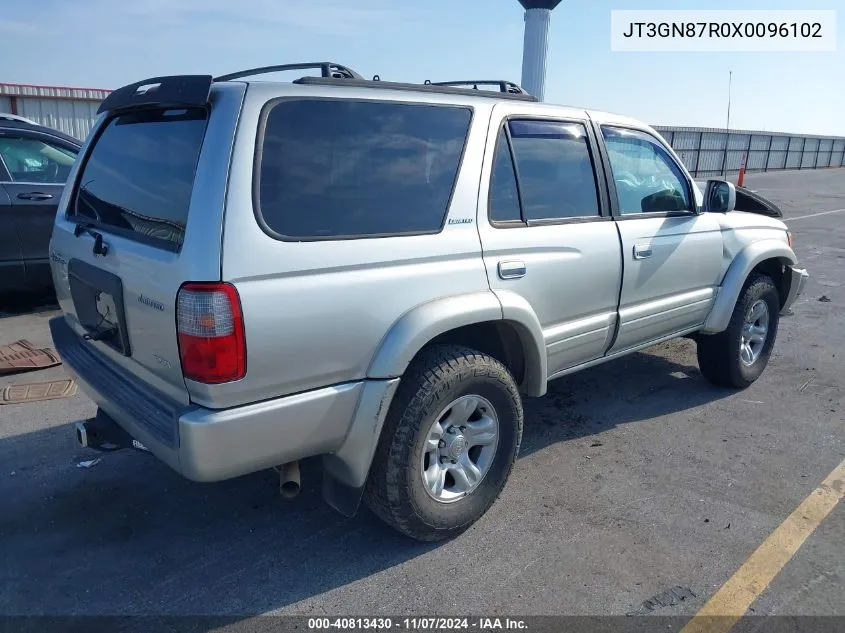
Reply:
x=100, y=247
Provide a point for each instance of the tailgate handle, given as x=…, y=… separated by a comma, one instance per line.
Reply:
x=35, y=195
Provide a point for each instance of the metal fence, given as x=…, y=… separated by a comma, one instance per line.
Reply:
x=69, y=110
x=713, y=151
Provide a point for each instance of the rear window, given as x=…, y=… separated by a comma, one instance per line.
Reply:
x=332, y=169
x=138, y=178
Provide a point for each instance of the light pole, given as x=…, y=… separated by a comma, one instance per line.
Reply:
x=727, y=127
x=730, y=81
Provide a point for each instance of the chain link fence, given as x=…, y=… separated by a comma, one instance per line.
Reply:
x=710, y=151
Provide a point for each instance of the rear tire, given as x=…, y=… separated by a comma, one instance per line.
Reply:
x=418, y=483
x=737, y=357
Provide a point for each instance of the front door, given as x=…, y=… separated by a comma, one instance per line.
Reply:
x=547, y=234
x=672, y=255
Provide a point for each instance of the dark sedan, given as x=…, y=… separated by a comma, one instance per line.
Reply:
x=34, y=164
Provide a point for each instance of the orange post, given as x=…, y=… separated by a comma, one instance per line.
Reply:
x=741, y=178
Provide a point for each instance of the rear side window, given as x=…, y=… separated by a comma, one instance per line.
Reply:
x=139, y=175
x=332, y=169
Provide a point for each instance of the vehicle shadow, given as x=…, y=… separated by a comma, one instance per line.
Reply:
x=129, y=536
x=641, y=386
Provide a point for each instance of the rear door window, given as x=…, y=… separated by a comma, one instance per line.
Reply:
x=555, y=170
x=138, y=178
x=334, y=169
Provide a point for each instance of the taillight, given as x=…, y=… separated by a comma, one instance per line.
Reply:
x=210, y=329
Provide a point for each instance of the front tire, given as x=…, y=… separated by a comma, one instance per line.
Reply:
x=448, y=444
x=737, y=357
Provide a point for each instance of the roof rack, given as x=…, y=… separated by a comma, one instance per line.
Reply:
x=426, y=87
x=508, y=87
x=327, y=69
x=194, y=90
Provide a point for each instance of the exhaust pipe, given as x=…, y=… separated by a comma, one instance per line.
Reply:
x=289, y=483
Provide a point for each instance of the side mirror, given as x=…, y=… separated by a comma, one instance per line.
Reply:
x=719, y=196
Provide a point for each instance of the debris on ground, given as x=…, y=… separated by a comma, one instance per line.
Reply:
x=596, y=443
x=824, y=299
x=89, y=463
x=37, y=391
x=24, y=356
x=668, y=598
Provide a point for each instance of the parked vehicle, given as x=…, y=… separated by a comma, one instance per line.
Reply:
x=34, y=164
x=252, y=273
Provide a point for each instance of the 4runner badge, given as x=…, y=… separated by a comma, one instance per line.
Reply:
x=460, y=221
x=158, y=305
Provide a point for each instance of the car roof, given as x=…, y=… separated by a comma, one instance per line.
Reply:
x=433, y=93
x=6, y=124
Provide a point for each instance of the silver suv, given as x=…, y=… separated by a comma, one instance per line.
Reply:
x=252, y=273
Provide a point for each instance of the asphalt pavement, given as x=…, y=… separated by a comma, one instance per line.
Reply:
x=636, y=477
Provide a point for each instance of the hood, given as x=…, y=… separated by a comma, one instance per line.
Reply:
x=746, y=200
x=748, y=220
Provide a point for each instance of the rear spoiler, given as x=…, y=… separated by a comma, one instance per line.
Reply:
x=176, y=90
x=193, y=90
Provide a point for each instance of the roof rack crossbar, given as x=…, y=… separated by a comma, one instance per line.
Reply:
x=501, y=84
x=327, y=69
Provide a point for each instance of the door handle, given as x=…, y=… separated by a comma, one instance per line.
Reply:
x=513, y=269
x=35, y=195
x=641, y=252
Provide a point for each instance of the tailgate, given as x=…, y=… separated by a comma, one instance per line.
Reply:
x=141, y=215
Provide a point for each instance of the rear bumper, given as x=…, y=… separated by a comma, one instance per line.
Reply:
x=204, y=444
x=797, y=282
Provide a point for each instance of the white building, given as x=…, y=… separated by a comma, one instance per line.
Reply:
x=70, y=110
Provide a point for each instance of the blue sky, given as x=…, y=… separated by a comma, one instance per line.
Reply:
x=108, y=43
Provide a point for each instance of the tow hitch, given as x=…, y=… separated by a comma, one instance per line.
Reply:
x=103, y=434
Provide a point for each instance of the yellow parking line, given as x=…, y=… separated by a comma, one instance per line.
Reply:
x=724, y=608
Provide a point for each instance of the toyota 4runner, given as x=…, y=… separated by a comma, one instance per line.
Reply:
x=256, y=272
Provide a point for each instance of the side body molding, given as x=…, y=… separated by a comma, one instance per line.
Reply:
x=738, y=272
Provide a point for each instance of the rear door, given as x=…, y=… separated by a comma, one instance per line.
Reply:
x=151, y=185
x=11, y=262
x=38, y=166
x=546, y=230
